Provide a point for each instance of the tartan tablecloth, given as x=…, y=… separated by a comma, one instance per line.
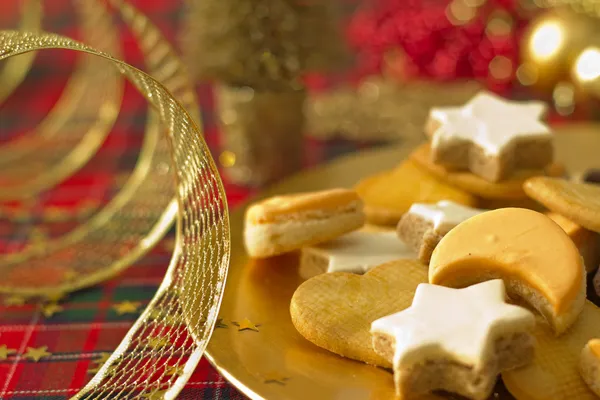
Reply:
x=91, y=322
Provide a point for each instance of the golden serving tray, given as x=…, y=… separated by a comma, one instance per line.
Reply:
x=277, y=362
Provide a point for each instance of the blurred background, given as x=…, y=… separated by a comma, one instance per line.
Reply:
x=282, y=85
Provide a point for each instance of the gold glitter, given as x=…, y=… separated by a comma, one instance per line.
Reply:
x=227, y=159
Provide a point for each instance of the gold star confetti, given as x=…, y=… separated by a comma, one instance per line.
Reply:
x=275, y=377
x=103, y=358
x=174, y=370
x=165, y=318
x=55, y=297
x=156, y=342
x=37, y=353
x=50, y=309
x=156, y=395
x=126, y=307
x=220, y=323
x=246, y=324
x=14, y=301
x=5, y=352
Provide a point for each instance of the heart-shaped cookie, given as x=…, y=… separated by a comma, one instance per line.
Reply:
x=335, y=311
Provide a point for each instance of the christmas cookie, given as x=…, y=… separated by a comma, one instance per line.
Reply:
x=580, y=202
x=424, y=225
x=355, y=252
x=554, y=372
x=587, y=242
x=490, y=136
x=589, y=365
x=334, y=311
x=510, y=188
x=456, y=340
x=285, y=223
x=388, y=195
x=532, y=254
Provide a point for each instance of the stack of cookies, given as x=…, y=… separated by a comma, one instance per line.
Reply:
x=483, y=275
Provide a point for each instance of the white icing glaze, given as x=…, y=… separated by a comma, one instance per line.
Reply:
x=444, y=215
x=360, y=251
x=489, y=121
x=460, y=324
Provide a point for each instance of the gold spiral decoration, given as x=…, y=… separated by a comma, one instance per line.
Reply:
x=172, y=332
x=14, y=71
x=78, y=123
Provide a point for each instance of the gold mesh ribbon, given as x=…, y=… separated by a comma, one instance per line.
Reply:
x=15, y=70
x=163, y=347
x=77, y=124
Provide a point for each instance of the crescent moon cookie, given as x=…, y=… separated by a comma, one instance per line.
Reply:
x=490, y=136
x=580, y=202
x=355, y=252
x=532, y=254
x=388, y=195
x=284, y=223
x=589, y=365
x=555, y=371
x=456, y=340
x=424, y=225
x=587, y=242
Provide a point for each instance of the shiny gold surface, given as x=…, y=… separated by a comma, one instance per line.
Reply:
x=261, y=290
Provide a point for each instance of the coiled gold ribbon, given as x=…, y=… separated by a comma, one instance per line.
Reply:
x=163, y=347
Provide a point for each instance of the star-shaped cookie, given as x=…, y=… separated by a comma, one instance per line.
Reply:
x=456, y=340
x=355, y=252
x=424, y=225
x=490, y=136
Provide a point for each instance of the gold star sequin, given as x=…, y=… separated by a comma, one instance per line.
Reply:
x=174, y=370
x=275, y=377
x=220, y=323
x=37, y=353
x=126, y=307
x=156, y=395
x=246, y=324
x=55, y=297
x=50, y=309
x=14, y=300
x=103, y=358
x=5, y=352
x=156, y=342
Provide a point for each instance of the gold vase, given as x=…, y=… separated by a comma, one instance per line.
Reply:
x=262, y=133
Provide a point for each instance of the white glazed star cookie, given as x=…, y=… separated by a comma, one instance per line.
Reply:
x=456, y=340
x=490, y=136
x=424, y=225
x=355, y=252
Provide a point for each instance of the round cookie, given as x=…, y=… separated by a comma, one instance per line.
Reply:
x=554, y=373
x=580, y=202
x=589, y=365
x=511, y=188
x=335, y=311
x=537, y=260
x=389, y=194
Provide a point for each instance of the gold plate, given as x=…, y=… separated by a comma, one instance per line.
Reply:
x=277, y=362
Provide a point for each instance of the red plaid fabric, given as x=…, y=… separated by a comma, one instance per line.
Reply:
x=88, y=325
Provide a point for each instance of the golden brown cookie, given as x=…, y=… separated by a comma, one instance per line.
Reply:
x=589, y=365
x=335, y=311
x=580, y=202
x=532, y=254
x=587, y=242
x=284, y=223
x=554, y=372
x=389, y=194
x=511, y=188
